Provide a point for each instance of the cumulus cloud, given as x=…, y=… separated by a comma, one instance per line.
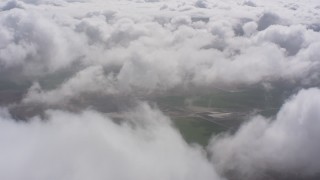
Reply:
x=69, y=51
x=90, y=145
x=284, y=146
x=208, y=57
x=144, y=145
x=40, y=38
x=201, y=4
x=35, y=45
x=90, y=80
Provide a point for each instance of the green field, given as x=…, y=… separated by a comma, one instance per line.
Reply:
x=244, y=102
x=196, y=130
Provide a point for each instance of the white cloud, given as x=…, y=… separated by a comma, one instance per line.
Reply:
x=115, y=48
x=287, y=145
x=91, y=146
x=48, y=38
x=90, y=80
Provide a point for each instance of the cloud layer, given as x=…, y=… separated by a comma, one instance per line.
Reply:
x=70, y=54
x=161, y=46
x=284, y=146
x=145, y=145
x=91, y=146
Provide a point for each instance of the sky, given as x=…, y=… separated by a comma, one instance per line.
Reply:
x=62, y=53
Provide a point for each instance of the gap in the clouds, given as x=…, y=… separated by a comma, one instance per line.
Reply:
x=199, y=116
